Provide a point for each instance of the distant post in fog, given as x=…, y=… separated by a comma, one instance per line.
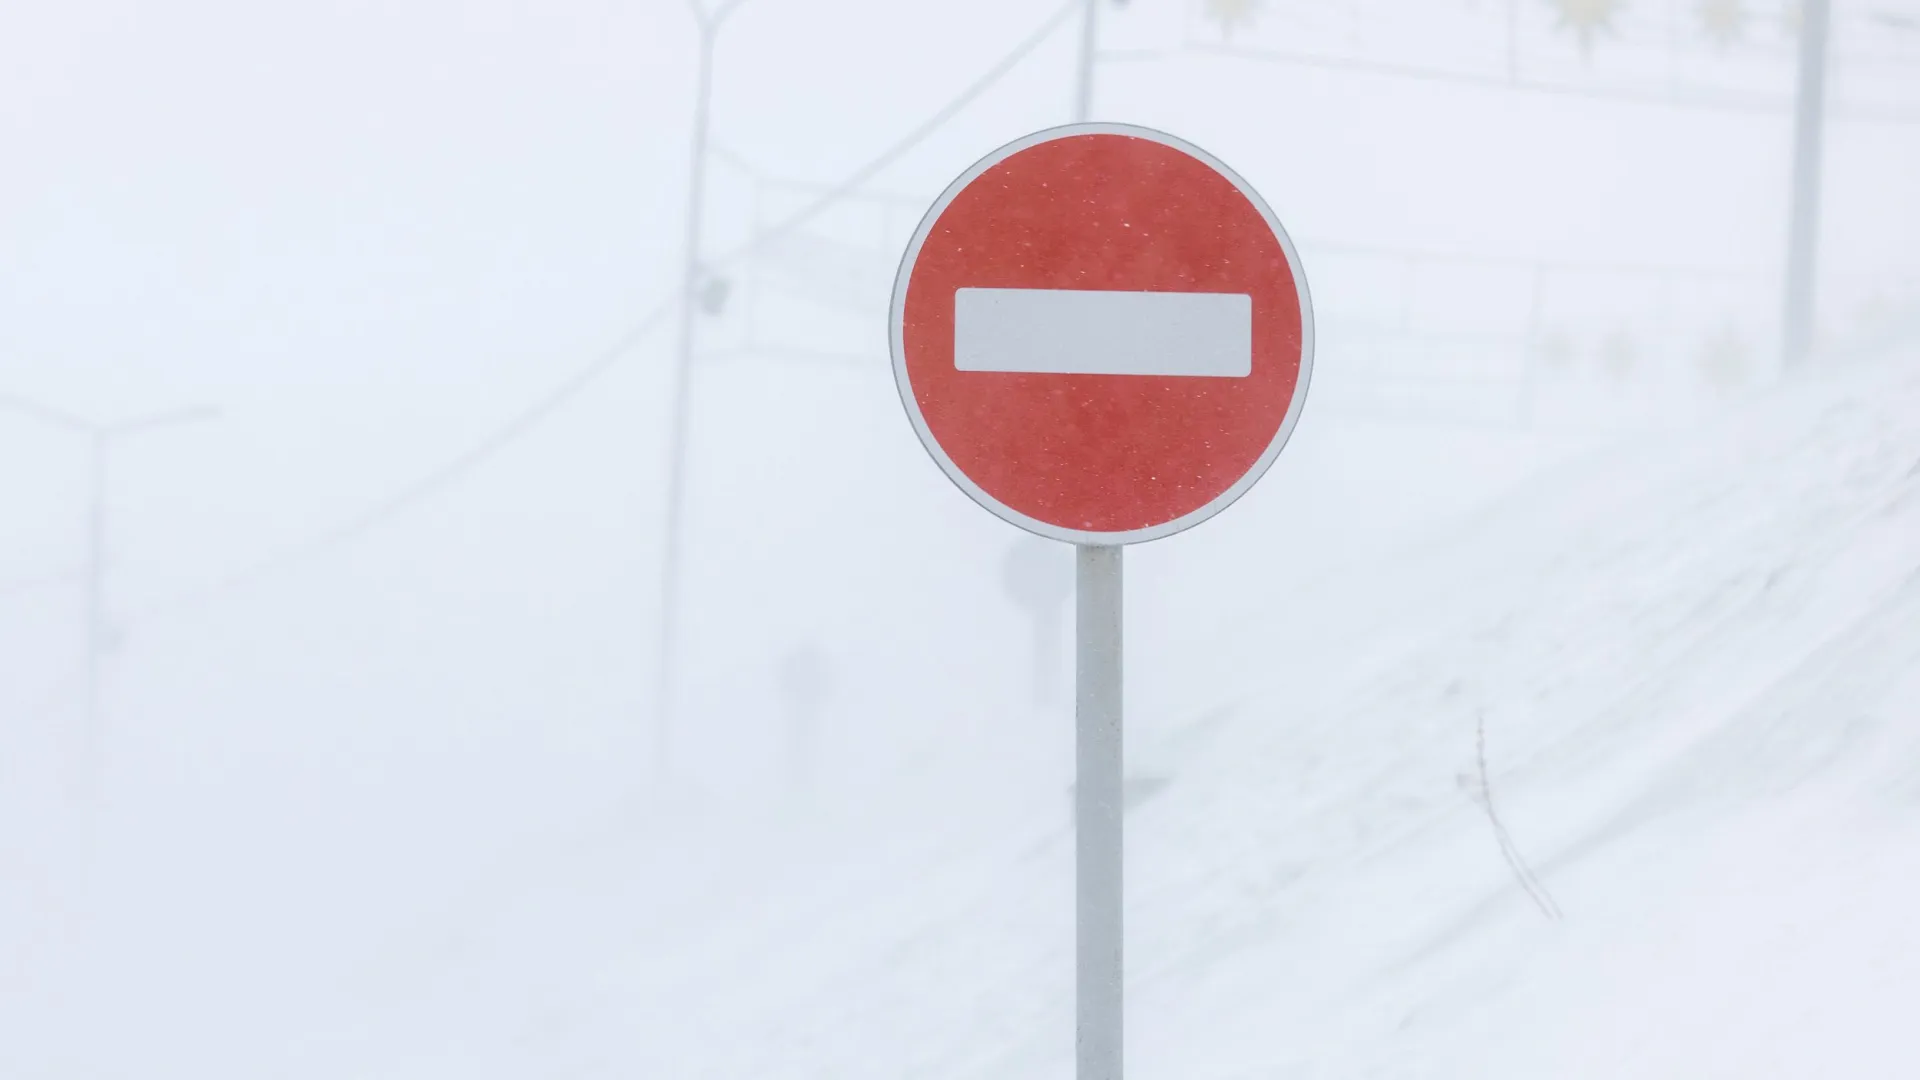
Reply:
x=1039, y=578
x=806, y=682
x=1803, y=231
x=695, y=290
x=1089, y=44
x=100, y=639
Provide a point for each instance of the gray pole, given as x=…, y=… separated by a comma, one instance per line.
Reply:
x=99, y=440
x=98, y=627
x=1804, y=230
x=1097, y=814
x=1513, y=40
x=96, y=609
x=682, y=389
x=1046, y=656
x=1083, y=98
x=100, y=437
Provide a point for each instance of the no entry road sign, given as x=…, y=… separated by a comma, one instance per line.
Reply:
x=1102, y=334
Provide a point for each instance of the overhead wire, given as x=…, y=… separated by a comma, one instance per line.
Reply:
x=1700, y=98
x=859, y=177
x=1356, y=65
x=763, y=175
x=530, y=416
x=431, y=483
x=21, y=586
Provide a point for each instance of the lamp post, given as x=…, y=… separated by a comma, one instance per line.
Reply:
x=101, y=439
x=1803, y=230
x=691, y=292
x=1089, y=47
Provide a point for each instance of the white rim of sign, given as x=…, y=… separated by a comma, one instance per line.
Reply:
x=897, y=336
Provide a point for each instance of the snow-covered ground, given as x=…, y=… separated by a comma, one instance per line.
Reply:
x=1694, y=659
x=1697, y=661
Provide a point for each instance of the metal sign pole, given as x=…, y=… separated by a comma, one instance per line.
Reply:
x=93, y=735
x=1803, y=233
x=1097, y=812
x=681, y=396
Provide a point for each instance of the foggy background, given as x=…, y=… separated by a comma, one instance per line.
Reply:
x=340, y=755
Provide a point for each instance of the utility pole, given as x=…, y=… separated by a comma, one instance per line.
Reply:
x=98, y=637
x=1089, y=45
x=806, y=682
x=1803, y=231
x=682, y=392
x=1039, y=578
x=101, y=439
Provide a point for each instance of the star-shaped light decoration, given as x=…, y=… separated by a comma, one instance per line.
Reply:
x=1724, y=21
x=1587, y=18
x=1230, y=14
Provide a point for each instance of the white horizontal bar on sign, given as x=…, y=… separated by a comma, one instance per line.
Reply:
x=1103, y=332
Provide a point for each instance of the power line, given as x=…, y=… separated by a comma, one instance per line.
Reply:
x=1747, y=104
x=532, y=415
x=859, y=177
x=1522, y=262
x=763, y=175
x=46, y=414
x=1357, y=65
x=22, y=586
x=821, y=357
x=424, y=487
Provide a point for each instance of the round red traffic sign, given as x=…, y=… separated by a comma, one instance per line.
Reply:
x=1102, y=334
